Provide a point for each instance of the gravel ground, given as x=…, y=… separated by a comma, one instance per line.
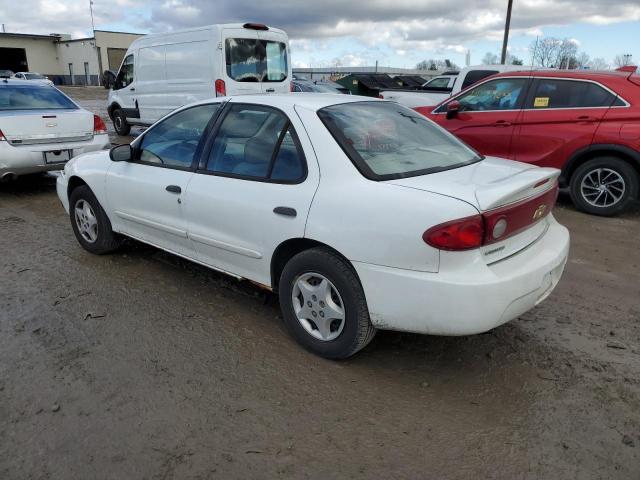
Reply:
x=139, y=365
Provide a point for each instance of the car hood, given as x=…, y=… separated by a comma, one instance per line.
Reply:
x=487, y=184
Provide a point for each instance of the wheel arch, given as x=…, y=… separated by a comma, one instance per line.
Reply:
x=73, y=183
x=291, y=247
x=629, y=155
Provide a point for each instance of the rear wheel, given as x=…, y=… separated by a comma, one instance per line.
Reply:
x=90, y=223
x=604, y=186
x=120, y=123
x=323, y=304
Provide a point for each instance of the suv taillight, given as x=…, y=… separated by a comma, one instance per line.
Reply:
x=2, y=136
x=98, y=126
x=221, y=88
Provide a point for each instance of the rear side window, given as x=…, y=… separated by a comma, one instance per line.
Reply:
x=557, y=93
x=257, y=143
x=173, y=142
x=474, y=76
x=254, y=60
x=14, y=97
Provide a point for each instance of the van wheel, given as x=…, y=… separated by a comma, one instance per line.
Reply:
x=323, y=304
x=604, y=186
x=120, y=123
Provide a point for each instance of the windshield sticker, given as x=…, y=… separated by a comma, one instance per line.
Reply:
x=541, y=102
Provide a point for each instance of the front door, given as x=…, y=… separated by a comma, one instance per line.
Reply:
x=253, y=190
x=147, y=196
x=124, y=86
x=560, y=117
x=487, y=116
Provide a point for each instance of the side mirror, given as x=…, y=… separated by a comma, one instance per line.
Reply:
x=453, y=107
x=121, y=153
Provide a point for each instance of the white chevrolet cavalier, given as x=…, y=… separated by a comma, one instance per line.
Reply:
x=360, y=213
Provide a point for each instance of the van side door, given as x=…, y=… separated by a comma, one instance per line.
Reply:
x=124, y=88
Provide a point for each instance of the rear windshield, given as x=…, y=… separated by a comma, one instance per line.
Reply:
x=23, y=97
x=386, y=140
x=254, y=60
x=33, y=76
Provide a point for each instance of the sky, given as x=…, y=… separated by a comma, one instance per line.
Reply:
x=398, y=33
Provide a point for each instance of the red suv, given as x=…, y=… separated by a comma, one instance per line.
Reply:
x=585, y=123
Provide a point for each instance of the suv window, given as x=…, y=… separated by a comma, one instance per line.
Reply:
x=253, y=60
x=256, y=142
x=560, y=93
x=125, y=75
x=499, y=94
x=474, y=76
x=441, y=82
x=173, y=142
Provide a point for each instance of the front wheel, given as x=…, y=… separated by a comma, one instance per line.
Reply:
x=90, y=223
x=604, y=186
x=120, y=123
x=323, y=304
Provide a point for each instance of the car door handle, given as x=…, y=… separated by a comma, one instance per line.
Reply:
x=586, y=118
x=173, y=189
x=133, y=89
x=502, y=123
x=286, y=211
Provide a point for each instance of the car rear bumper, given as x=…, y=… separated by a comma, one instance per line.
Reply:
x=25, y=159
x=466, y=296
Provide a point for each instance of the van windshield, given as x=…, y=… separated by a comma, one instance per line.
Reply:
x=254, y=60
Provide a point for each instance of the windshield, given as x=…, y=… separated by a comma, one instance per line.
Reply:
x=33, y=76
x=23, y=97
x=386, y=140
x=253, y=60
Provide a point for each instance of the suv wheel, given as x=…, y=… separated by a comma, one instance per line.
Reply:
x=323, y=304
x=120, y=123
x=604, y=186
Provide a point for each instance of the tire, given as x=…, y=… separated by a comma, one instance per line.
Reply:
x=120, y=123
x=105, y=239
x=620, y=178
x=343, y=338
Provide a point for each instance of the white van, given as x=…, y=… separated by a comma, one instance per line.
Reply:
x=162, y=72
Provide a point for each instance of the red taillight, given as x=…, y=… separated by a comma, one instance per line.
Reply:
x=221, y=88
x=98, y=126
x=291, y=87
x=463, y=234
x=2, y=136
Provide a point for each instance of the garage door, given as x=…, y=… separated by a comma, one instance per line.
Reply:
x=115, y=56
x=14, y=59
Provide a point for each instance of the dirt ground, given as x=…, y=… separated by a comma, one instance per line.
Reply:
x=139, y=365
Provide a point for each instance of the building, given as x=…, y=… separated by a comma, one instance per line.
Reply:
x=64, y=60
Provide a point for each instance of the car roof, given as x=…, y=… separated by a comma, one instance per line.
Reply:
x=577, y=74
x=311, y=101
x=19, y=81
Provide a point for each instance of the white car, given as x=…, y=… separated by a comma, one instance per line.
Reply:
x=361, y=214
x=33, y=76
x=41, y=129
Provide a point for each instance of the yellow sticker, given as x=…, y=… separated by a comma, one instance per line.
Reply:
x=355, y=82
x=541, y=102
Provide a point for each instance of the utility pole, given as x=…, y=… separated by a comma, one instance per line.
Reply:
x=503, y=59
x=93, y=27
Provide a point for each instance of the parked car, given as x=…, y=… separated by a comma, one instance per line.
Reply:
x=6, y=73
x=161, y=72
x=317, y=87
x=441, y=83
x=586, y=123
x=41, y=128
x=36, y=77
x=360, y=213
x=467, y=77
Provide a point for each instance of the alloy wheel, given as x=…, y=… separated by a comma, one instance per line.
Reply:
x=86, y=221
x=602, y=187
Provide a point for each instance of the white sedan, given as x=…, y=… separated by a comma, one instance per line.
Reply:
x=33, y=76
x=361, y=214
x=41, y=128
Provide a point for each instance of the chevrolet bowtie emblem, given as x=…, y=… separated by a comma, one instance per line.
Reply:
x=539, y=213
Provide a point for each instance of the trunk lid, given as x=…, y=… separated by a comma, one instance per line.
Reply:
x=25, y=127
x=521, y=194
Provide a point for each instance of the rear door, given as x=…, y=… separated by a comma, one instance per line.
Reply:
x=560, y=116
x=487, y=116
x=276, y=77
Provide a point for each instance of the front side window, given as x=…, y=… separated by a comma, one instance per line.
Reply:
x=125, y=75
x=501, y=94
x=23, y=97
x=557, y=93
x=387, y=141
x=256, y=142
x=254, y=60
x=173, y=142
